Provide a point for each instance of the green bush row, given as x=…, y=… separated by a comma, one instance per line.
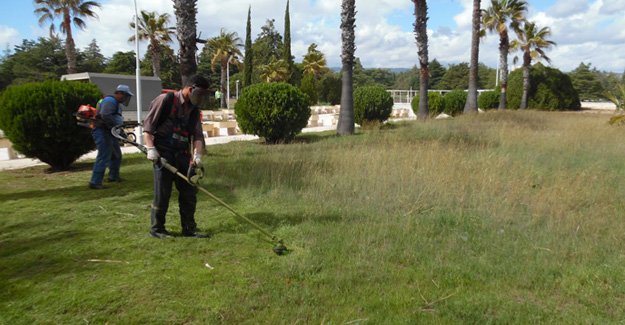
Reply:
x=550, y=89
x=451, y=103
x=489, y=99
x=372, y=104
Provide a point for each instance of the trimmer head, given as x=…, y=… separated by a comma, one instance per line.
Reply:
x=280, y=249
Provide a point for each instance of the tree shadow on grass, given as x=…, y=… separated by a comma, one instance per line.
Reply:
x=76, y=167
x=35, y=259
x=79, y=194
x=17, y=246
x=307, y=138
x=127, y=160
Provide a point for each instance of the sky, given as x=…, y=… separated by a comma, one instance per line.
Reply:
x=590, y=31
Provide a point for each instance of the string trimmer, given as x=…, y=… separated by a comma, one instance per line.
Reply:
x=279, y=247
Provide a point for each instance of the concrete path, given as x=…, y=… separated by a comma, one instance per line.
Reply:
x=27, y=162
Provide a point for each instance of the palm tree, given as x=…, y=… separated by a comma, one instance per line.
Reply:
x=346, y=123
x=70, y=11
x=471, y=104
x=617, y=96
x=420, y=29
x=224, y=49
x=185, y=11
x=153, y=27
x=532, y=41
x=275, y=71
x=315, y=62
x=501, y=15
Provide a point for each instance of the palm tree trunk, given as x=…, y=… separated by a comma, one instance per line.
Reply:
x=156, y=59
x=224, y=65
x=471, y=104
x=70, y=52
x=346, y=125
x=70, y=46
x=527, y=60
x=504, y=48
x=421, y=15
x=186, y=31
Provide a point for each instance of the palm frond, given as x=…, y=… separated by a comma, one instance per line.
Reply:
x=619, y=98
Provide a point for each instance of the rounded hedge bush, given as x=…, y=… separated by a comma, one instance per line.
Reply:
x=435, y=103
x=489, y=99
x=372, y=104
x=454, y=102
x=550, y=89
x=37, y=118
x=274, y=111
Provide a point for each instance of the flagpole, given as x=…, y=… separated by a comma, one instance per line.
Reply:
x=138, y=76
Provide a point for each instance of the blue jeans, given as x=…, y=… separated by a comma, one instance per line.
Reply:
x=109, y=155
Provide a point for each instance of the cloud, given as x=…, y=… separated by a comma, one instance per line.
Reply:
x=8, y=36
x=585, y=30
x=613, y=7
x=586, y=33
x=464, y=19
x=566, y=8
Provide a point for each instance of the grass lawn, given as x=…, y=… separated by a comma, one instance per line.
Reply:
x=514, y=217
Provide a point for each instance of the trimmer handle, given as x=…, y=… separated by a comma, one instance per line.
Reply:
x=118, y=132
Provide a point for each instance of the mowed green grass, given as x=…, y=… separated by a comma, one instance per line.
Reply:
x=514, y=217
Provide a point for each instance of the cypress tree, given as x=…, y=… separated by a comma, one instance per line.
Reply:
x=286, y=55
x=249, y=53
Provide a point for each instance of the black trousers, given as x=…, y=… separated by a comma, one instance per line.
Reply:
x=187, y=198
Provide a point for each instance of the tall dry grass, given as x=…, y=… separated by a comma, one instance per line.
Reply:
x=541, y=166
x=530, y=198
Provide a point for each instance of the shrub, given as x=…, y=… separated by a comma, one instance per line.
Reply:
x=489, y=99
x=371, y=104
x=453, y=102
x=37, y=118
x=435, y=103
x=550, y=90
x=274, y=111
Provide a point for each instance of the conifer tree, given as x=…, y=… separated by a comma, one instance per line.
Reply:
x=286, y=53
x=249, y=52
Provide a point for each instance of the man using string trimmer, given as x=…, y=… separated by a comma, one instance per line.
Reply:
x=173, y=131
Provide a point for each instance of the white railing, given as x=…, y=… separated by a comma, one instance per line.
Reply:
x=406, y=96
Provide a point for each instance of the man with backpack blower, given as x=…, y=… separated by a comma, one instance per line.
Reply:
x=108, y=116
x=173, y=131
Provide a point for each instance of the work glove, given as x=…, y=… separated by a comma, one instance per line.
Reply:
x=197, y=160
x=153, y=154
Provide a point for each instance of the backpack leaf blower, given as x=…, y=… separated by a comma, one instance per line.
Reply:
x=86, y=115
